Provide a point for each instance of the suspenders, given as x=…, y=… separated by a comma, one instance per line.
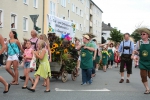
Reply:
x=129, y=47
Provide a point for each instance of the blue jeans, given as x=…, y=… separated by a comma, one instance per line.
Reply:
x=86, y=75
x=94, y=66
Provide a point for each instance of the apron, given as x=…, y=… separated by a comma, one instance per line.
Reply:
x=86, y=59
x=110, y=52
x=104, y=58
x=144, y=62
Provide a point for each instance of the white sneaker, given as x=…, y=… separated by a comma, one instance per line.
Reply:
x=96, y=69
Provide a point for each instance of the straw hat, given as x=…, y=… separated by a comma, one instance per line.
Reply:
x=143, y=29
x=90, y=35
x=86, y=36
x=105, y=47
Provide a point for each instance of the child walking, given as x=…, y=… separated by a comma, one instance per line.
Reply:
x=104, y=58
x=28, y=53
x=44, y=67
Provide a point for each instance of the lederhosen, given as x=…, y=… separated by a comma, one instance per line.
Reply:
x=144, y=62
x=126, y=59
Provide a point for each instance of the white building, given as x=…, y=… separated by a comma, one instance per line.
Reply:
x=106, y=30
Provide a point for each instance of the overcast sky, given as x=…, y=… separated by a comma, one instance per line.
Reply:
x=126, y=15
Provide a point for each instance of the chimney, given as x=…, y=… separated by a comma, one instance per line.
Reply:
x=109, y=25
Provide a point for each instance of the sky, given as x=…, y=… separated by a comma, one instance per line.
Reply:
x=126, y=15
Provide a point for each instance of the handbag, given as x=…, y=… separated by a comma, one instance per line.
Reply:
x=33, y=63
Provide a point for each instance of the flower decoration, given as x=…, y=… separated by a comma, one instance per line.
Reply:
x=52, y=50
x=57, y=53
x=72, y=45
x=63, y=50
x=55, y=45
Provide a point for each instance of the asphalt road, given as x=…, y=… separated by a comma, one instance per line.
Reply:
x=105, y=86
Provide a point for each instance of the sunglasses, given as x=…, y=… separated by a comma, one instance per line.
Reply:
x=143, y=34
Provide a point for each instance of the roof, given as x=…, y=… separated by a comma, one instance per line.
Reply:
x=96, y=6
x=106, y=27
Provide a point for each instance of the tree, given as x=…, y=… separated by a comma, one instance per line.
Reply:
x=136, y=36
x=116, y=36
x=103, y=40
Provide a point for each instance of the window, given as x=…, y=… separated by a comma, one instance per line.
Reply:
x=63, y=3
x=82, y=1
x=68, y=1
x=84, y=23
x=88, y=4
x=25, y=24
x=76, y=9
x=52, y=8
x=68, y=14
x=77, y=26
x=35, y=3
x=81, y=27
x=87, y=17
x=13, y=21
x=1, y=18
x=81, y=13
x=73, y=7
x=25, y=2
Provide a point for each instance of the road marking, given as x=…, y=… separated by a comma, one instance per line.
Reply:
x=57, y=89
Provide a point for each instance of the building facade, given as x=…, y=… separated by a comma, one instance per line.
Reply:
x=106, y=30
x=84, y=13
x=50, y=7
x=76, y=11
x=95, y=21
x=15, y=15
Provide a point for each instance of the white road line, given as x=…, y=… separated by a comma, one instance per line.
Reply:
x=57, y=89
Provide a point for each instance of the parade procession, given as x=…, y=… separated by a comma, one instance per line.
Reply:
x=61, y=49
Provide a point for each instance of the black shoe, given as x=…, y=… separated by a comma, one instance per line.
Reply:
x=8, y=89
x=23, y=77
x=24, y=87
x=33, y=90
x=47, y=91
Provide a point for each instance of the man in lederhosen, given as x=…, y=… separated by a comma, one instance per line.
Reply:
x=143, y=50
x=126, y=49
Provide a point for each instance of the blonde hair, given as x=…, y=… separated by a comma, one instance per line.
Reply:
x=45, y=38
x=42, y=44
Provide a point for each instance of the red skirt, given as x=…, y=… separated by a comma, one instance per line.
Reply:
x=117, y=58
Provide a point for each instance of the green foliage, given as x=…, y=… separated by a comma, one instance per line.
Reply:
x=116, y=36
x=136, y=36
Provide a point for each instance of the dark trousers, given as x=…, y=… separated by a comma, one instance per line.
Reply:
x=86, y=75
x=94, y=66
x=110, y=62
x=126, y=59
x=1, y=59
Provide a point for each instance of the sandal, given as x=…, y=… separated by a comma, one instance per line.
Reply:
x=147, y=92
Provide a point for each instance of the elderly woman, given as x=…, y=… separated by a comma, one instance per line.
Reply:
x=143, y=50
